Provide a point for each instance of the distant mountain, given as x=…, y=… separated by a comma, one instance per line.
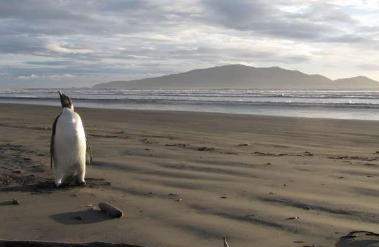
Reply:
x=242, y=77
x=358, y=82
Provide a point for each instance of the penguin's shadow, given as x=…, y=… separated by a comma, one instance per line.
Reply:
x=39, y=187
x=47, y=186
x=7, y=203
x=89, y=216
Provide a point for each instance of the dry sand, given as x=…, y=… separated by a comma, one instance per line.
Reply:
x=184, y=179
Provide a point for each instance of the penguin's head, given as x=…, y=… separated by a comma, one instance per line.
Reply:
x=66, y=101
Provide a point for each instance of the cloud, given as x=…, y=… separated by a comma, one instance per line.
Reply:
x=370, y=67
x=60, y=48
x=51, y=77
x=27, y=77
x=49, y=63
x=20, y=44
x=315, y=21
x=97, y=41
x=60, y=77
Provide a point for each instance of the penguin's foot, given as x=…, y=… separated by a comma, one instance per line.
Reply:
x=58, y=184
x=81, y=183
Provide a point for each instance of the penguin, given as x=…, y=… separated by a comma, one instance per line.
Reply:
x=69, y=149
x=225, y=243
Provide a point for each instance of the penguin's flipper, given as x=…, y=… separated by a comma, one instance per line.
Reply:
x=88, y=153
x=52, y=142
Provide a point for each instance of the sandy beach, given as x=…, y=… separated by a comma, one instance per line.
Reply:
x=188, y=179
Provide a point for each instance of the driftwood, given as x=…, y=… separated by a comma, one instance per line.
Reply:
x=12, y=243
x=110, y=209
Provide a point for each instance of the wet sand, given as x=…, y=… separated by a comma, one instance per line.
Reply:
x=189, y=179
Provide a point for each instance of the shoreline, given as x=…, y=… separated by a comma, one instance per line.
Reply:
x=187, y=112
x=190, y=178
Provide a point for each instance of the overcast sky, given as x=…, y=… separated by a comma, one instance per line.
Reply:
x=60, y=43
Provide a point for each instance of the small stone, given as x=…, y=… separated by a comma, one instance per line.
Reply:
x=244, y=144
x=179, y=200
x=293, y=218
x=205, y=149
x=308, y=153
x=16, y=202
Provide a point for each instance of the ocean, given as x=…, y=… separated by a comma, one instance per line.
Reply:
x=361, y=105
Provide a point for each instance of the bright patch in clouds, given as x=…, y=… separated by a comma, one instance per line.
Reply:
x=52, y=77
x=27, y=77
x=55, y=47
x=49, y=43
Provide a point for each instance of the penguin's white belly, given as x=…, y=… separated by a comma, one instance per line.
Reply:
x=69, y=149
